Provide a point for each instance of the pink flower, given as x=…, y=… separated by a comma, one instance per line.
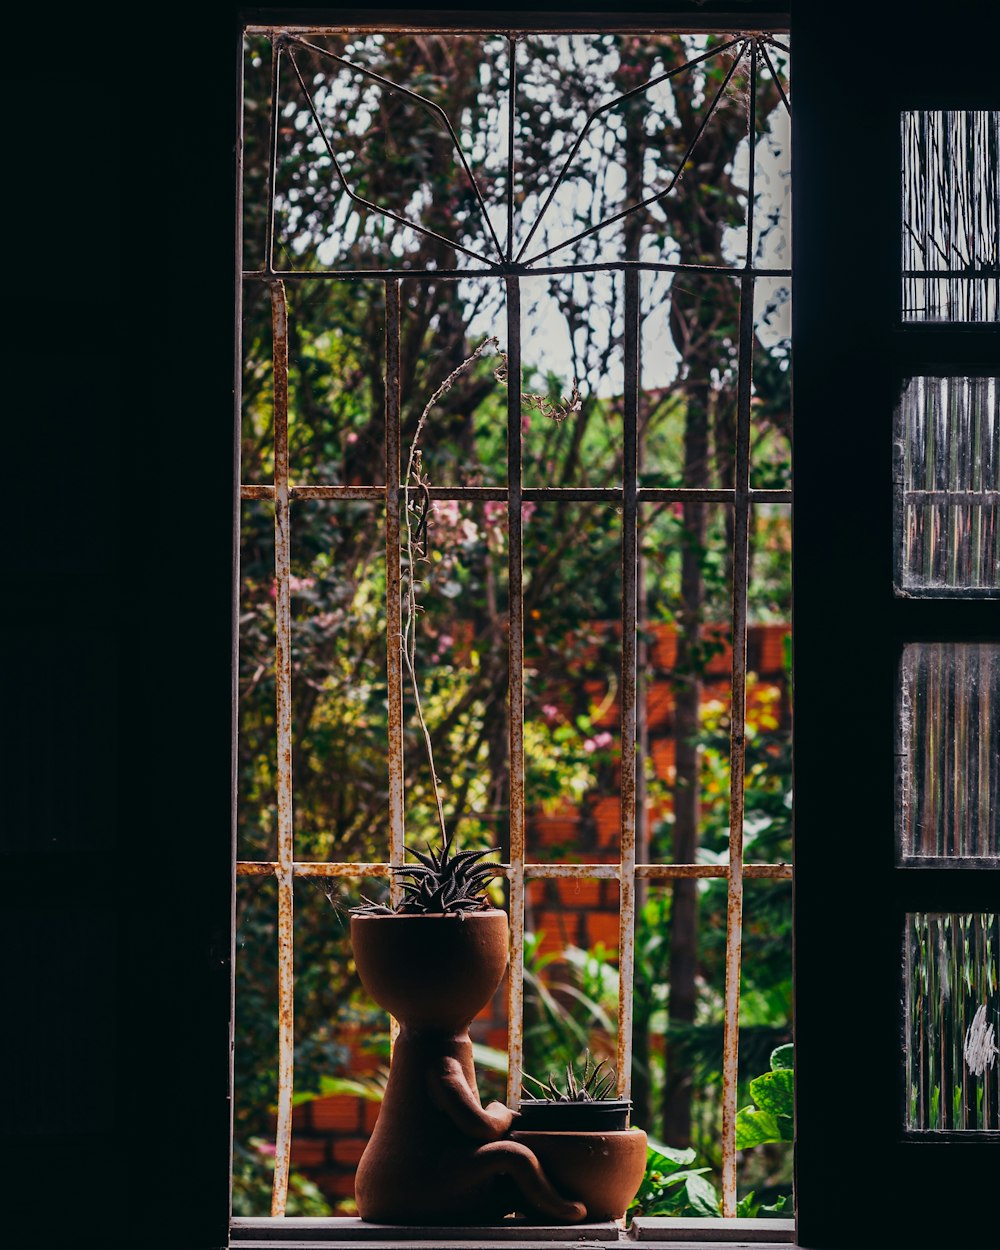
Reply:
x=352, y=437
x=597, y=743
x=550, y=711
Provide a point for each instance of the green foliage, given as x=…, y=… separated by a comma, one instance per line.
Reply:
x=771, y=1119
x=671, y=1186
x=749, y=1207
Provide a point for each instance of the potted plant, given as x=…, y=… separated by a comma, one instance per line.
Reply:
x=585, y=1103
x=434, y=958
x=569, y=1129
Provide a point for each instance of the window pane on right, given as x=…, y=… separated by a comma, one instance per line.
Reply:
x=948, y=487
x=949, y=751
x=951, y=216
x=952, y=1021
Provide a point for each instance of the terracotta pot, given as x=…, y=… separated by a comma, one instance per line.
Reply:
x=601, y=1170
x=431, y=972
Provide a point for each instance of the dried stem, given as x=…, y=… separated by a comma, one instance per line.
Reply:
x=414, y=477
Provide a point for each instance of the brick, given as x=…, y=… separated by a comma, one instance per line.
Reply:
x=608, y=817
x=338, y=1112
x=663, y=647
x=602, y=927
x=581, y=892
x=553, y=831
x=772, y=650
x=336, y=1184
x=370, y=1109
x=659, y=704
x=308, y=1152
x=348, y=1150
x=664, y=753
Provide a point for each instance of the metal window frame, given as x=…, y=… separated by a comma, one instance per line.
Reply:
x=630, y=497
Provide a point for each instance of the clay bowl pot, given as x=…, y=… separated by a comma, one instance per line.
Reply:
x=431, y=972
x=601, y=1170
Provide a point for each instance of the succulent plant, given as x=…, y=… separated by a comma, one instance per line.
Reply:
x=442, y=882
x=596, y=1083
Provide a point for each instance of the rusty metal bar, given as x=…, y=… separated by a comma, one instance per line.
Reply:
x=511, y=157
x=566, y=494
x=573, y=872
x=624, y=23
x=393, y=594
x=272, y=155
x=283, y=719
x=630, y=562
x=751, y=188
x=612, y=872
x=737, y=747
x=515, y=972
x=668, y=872
x=514, y=269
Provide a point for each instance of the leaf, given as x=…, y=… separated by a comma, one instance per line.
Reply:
x=779, y=1207
x=754, y=1128
x=774, y=1092
x=702, y=1196
x=783, y=1058
x=747, y=1207
x=662, y=1156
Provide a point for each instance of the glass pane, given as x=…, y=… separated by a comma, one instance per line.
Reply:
x=949, y=758
x=952, y=1012
x=948, y=487
x=951, y=219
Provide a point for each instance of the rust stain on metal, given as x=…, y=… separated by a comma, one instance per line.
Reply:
x=573, y=871
x=630, y=568
x=283, y=718
x=393, y=592
x=737, y=746
x=533, y=494
x=515, y=973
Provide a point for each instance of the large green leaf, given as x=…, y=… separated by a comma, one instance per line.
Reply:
x=774, y=1092
x=702, y=1196
x=783, y=1058
x=754, y=1128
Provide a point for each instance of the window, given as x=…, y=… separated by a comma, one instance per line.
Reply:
x=568, y=244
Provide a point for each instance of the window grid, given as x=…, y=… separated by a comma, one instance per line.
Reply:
x=630, y=496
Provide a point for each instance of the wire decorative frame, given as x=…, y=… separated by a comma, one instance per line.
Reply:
x=504, y=264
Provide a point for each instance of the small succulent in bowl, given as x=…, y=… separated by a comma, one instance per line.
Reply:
x=585, y=1099
x=595, y=1082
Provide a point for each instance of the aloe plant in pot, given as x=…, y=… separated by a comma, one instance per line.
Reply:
x=433, y=958
x=578, y=1130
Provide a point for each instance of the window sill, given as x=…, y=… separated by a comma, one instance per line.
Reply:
x=331, y=1233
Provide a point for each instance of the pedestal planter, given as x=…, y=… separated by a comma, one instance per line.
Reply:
x=437, y=1156
x=601, y=1170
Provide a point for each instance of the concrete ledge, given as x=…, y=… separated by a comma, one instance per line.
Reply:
x=247, y=1232
x=713, y=1231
